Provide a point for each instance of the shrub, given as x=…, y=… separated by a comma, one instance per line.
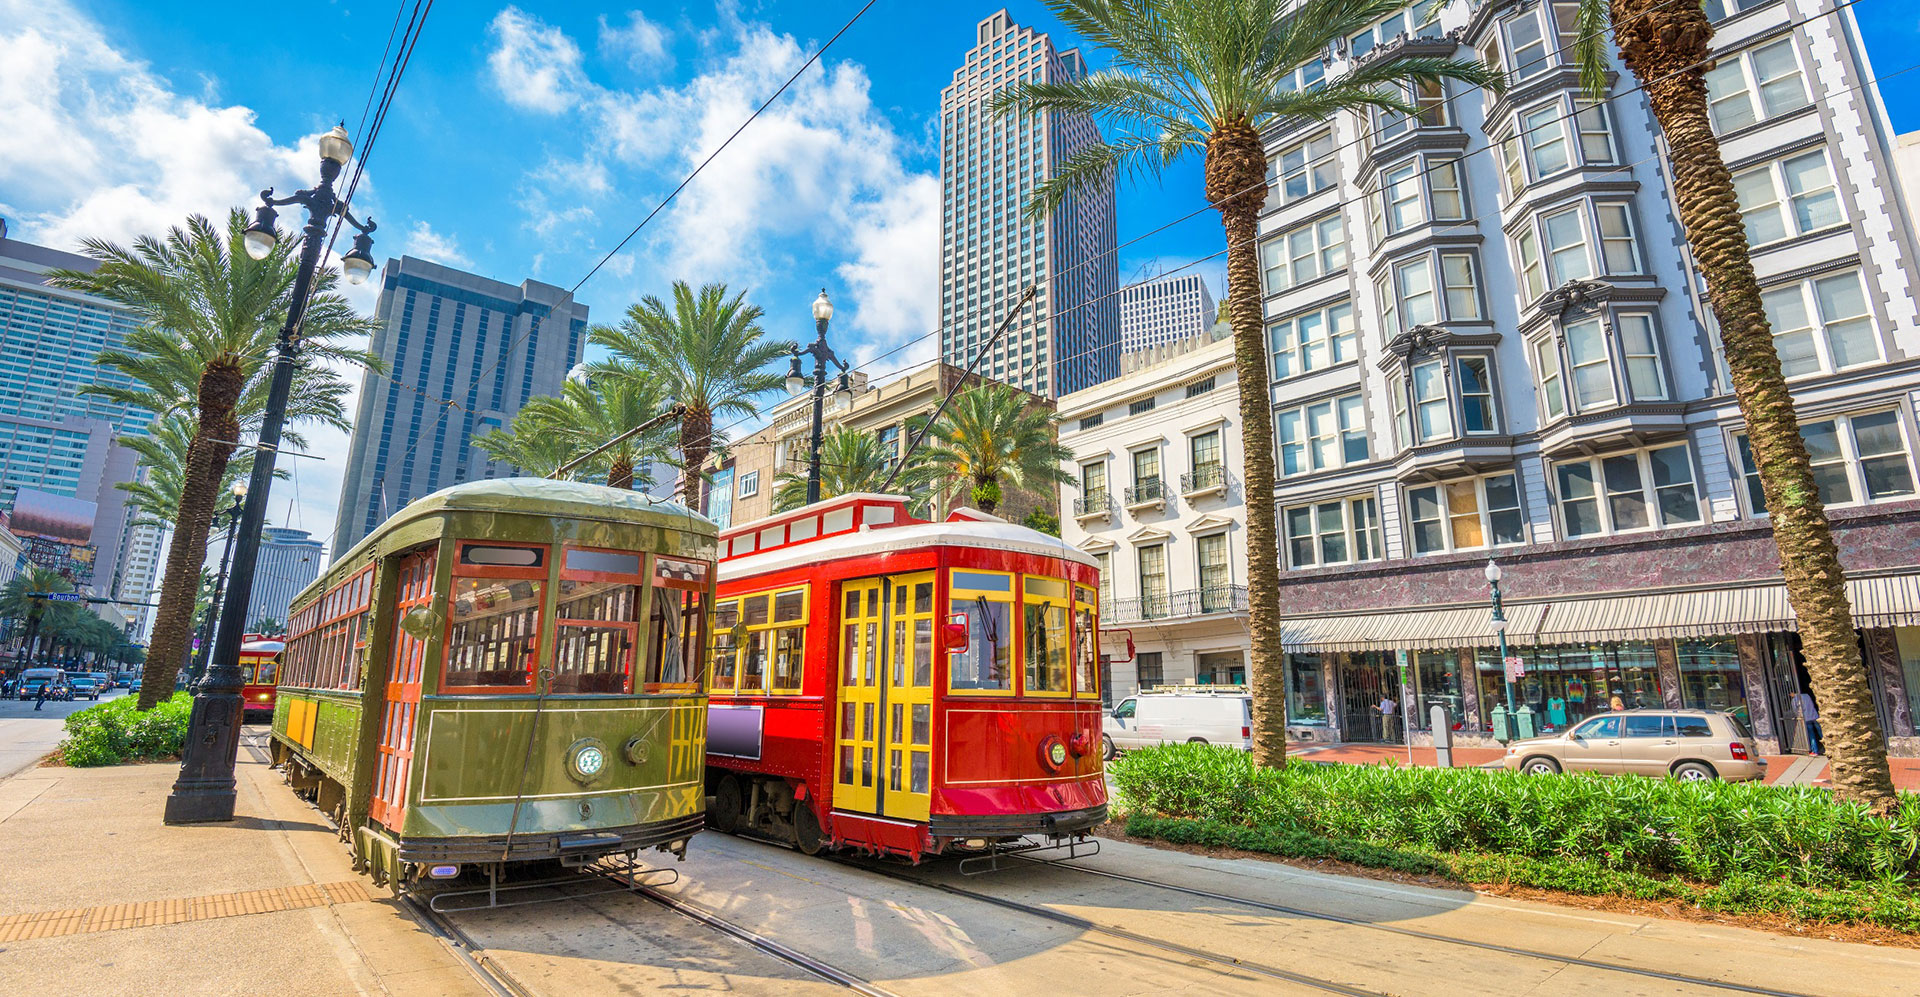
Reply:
x=1710, y=833
x=114, y=732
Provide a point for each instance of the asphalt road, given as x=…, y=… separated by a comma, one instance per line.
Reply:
x=27, y=735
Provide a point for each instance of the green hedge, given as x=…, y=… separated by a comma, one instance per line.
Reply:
x=114, y=731
x=1737, y=834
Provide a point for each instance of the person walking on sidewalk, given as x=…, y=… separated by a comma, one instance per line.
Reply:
x=40, y=695
x=1809, y=711
x=1387, y=710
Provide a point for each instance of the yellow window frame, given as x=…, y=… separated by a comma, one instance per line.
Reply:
x=957, y=591
x=1086, y=600
x=731, y=654
x=774, y=629
x=1064, y=603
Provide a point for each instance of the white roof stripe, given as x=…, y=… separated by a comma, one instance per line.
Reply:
x=986, y=536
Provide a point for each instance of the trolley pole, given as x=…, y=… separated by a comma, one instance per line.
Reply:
x=822, y=353
x=205, y=790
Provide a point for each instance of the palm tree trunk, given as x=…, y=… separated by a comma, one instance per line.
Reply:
x=1235, y=171
x=200, y=490
x=696, y=442
x=1665, y=44
x=620, y=475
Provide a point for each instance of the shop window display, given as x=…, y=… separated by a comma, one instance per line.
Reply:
x=1306, y=691
x=1566, y=683
x=1710, y=677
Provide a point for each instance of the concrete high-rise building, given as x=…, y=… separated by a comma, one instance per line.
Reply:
x=289, y=561
x=54, y=438
x=1161, y=311
x=1069, y=337
x=486, y=345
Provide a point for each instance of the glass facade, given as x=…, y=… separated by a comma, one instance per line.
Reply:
x=1566, y=683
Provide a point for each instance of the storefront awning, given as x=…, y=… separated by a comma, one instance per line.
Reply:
x=1885, y=601
x=1467, y=626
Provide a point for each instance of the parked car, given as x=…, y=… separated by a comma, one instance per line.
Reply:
x=33, y=678
x=83, y=686
x=1690, y=745
x=1191, y=714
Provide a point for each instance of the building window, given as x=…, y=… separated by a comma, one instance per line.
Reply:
x=1627, y=492
x=1413, y=22
x=1339, y=531
x=1306, y=691
x=1426, y=403
x=1305, y=168
x=1821, y=324
x=1528, y=45
x=750, y=484
x=1105, y=560
x=1475, y=385
x=1142, y=405
x=1093, y=420
x=1526, y=246
x=1148, y=670
x=1566, y=246
x=1430, y=97
x=1720, y=9
x=1788, y=198
x=1216, y=573
x=1312, y=341
x=1154, y=593
x=1146, y=476
x=1396, y=204
x=1093, y=486
x=1205, y=451
x=1640, y=352
x=1596, y=135
x=1588, y=365
x=1200, y=387
x=1307, y=253
x=1544, y=131
x=1323, y=435
x=1856, y=459
x=1448, y=189
x=1752, y=86
x=1463, y=292
x=1466, y=515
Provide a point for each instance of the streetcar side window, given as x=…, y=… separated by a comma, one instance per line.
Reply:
x=753, y=656
x=676, y=627
x=726, y=648
x=789, y=640
x=983, y=600
x=1045, y=636
x=593, y=644
x=495, y=637
x=1086, y=643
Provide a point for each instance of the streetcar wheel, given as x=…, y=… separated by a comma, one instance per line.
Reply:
x=1107, y=751
x=724, y=815
x=806, y=829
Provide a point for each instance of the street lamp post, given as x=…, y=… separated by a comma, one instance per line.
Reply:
x=199, y=669
x=205, y=789
x=1500, y=630
x=822, y=314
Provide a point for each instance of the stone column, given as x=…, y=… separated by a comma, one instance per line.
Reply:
x=1752, y=649
x=1884, y=659
x=1666, y=657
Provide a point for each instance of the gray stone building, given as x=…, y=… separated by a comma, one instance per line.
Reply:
x=485, y=345
x=1488, y=340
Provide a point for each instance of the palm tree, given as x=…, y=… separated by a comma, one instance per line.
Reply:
x=708, y=353
x=23, y=599
x=163, y=456
x=990, y=438
x=1667, y=47
x=210, y=317
x=588, y=413
x=1207, y=77
x=527, y=446
x=851, y=460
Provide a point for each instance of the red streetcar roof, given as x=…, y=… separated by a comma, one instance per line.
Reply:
x=832, y=517
x=960, y=531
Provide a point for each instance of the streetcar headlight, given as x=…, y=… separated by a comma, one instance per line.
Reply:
x=1058, y=753
x=586, y=760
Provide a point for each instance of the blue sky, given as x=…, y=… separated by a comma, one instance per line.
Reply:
x=527, y=139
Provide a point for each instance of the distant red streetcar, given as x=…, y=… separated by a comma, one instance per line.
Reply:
x=259, y=673
x=899, y=686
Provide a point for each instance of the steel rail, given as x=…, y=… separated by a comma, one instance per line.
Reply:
x=490, y=974
x=823, y=970
x=1569, y=960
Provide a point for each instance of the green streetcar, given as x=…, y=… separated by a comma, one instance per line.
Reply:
x=506, y=671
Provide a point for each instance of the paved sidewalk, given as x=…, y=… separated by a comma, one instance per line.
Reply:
x=1800, y=770
x=101, y=898
x=27, y=734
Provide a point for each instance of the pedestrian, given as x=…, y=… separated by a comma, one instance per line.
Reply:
x=1809, y=711
x=1617, y=703
x=40, y=695
x=1388, y=710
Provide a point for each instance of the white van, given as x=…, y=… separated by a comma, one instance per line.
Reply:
x=1207, y=714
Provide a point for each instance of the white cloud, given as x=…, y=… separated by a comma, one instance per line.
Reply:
x=642, y=43
x=536, y=66
x=424, y=242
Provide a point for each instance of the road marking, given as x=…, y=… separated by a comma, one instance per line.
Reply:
x=112, y=917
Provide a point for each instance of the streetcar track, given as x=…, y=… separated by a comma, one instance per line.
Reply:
x=490, y=974
x=1083, y=924
x=1569, y=960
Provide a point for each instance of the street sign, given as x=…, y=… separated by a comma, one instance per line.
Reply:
x=1515, y=667
x=66, y=597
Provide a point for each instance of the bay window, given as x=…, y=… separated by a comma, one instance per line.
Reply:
x=1566, y=246
x=1429, y=406
x=1306, y=253
x=1463, y=293
x=1337, y=531
x=1430, y=97
x=1413, y=22
x=1545, y=131
x=1576, y=368
x=1858, y=458
x=1475, y=386
x=1322, y=435
x=1448, y=188
x=1821, y=324
x=1787, y=198
x=1640, y=354
x=1596, y=136
x=1588, y=368
x=1410, y=295
x=1527, y=248
x=1622, y=493
x=1313, y=340
x=1546, y=357
x=1466, y=515
x=1304, y=168
x=1752, y=86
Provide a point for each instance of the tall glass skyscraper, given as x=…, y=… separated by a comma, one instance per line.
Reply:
x=483, y=344
x=1069, y=337
x=289, y=561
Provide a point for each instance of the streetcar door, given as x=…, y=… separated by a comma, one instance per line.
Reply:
x=856, y=778
x=389, y=798
x=908, y=747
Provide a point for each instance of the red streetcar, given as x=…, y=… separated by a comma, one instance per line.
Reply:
x=901, y=686
x=259, y=671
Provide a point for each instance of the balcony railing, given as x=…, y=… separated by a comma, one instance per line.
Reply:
x=1205, y=479
x=1180, y=605
x=1095, y=504
x=1146, y=491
